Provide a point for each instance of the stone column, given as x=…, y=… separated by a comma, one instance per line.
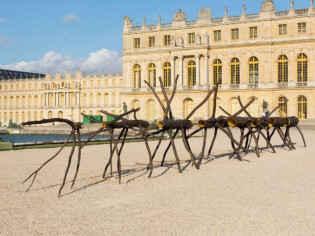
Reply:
x=181, y=80
x=158, y=73
x=197, y=70
x=172, y=71
x=206, y=76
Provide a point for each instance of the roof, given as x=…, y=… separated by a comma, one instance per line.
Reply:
x=11, y=74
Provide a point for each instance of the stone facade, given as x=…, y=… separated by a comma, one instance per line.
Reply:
x=268, y=55
x=59, y=96
x=281, y=43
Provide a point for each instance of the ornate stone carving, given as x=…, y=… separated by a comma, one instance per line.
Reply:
x=180, y=41
x=173, y=41
x=197, y=39
x=204, y=14
x=127, y=21
x=206, y=38
x=179, y=16
x=267, y=6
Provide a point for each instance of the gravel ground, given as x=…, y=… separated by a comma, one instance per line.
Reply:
x=270, y=195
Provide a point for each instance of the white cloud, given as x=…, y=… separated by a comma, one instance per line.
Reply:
x=98, y=61
x=71, y=18
x=2, y=20
x=4, y=40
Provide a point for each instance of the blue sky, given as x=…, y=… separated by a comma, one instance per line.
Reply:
x=78, y=32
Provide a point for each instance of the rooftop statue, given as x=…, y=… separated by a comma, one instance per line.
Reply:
x=204, y=13
x=127, y=21
x=267, y=6
x=179, y=16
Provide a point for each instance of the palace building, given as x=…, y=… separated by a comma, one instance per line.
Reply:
x=268, y=56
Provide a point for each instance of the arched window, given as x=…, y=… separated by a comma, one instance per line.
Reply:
x=135, y=104
x=302, y=107
x=11, y=101
x=62, y=99
x=283, y=110
x=234, y=106
x=23, y=116
x=253, y=71
x=84, y=99
x=282, y=69
x=23, y=101
x=29, y=100
x=5, y=102
x=114, y=99
x=191, y=74
x=167, y=74
x=302, y=68
x=106, y=99
x=42, y=100
x=150, y=110
x=41, y=115
x=5, y=117
x=36, y=101
x=17, y=117
x=217, y=71
x=50, y=115
x=29, y=116
x=188, y=107
x=235, y=71
x=51, y=99
x=91, y=99
x=60, y=114
x=98, y=99
x=35, y=115
x=152, y=74
x=11, y=115
x=136, y=77
x=91, y=113
x=17, y=101
x=72, y=99
x=253, y=109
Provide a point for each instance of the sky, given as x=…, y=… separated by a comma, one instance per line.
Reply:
x=69, y=35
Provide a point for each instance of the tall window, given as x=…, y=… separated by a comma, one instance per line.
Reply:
x=152, y=74
x=217, y=71
x=302, y=68
x=253, y=32
x=282, y=69
x=151, y=41
x=167, y=40
x=235, y=71
x=150, y=110
x=106, y=99
x=234, y=106
x=235, y=34
x=167, y=74
x=283, y=110
x=217, y=35
x=91, y=99
x=253, y=109
x=253, y=71
x=188, y=106
x=98, y=99
x=191, y=74
x=136, y=78
x=302, y=28
x=191, y=38
x=60, y=114
x=114, y=99
x=283, y=29
x=83, y=99
x=302, y=108
x=136, y=104
x=136, y=42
